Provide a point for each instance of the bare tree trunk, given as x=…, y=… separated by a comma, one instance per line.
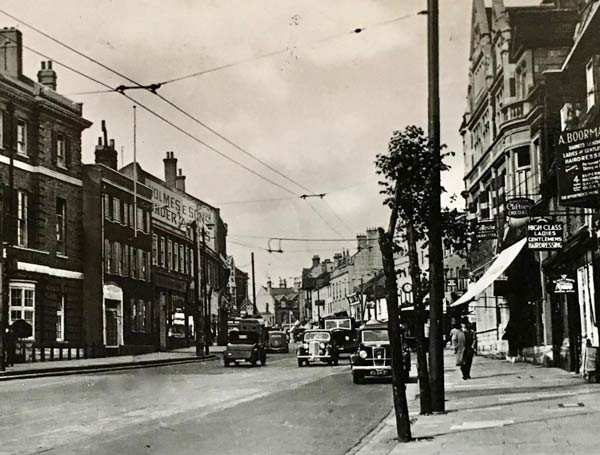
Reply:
x=417, y=292
x=391, y=289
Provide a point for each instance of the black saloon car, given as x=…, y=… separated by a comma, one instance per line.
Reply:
x=373, y=357
x=317, y=346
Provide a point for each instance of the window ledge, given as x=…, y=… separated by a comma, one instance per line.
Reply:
x=62, y=166
x=62, y=256
x=32, y=250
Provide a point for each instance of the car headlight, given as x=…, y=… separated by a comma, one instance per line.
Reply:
x=347, y=338
x=305, y=346
x=322, y=345
x=363, y=354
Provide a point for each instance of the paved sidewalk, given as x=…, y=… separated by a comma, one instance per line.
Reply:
x=505, y=409
x=59, y=367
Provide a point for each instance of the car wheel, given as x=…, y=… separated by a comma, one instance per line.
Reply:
x=358, y=377
x=253, y=361
x=226, y=362
x=336, y=361
x=263, y=361
x=300, y=362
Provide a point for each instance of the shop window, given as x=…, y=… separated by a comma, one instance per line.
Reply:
x=22, y=304
x=60, y=319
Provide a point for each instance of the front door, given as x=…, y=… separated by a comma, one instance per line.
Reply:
x=112, y=328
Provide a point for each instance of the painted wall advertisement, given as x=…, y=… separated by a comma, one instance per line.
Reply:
x=578, y=167
x=179, y=211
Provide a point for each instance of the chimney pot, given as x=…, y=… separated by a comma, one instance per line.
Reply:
x=47, y=76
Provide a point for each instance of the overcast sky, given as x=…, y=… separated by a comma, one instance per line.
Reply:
x=318, y=112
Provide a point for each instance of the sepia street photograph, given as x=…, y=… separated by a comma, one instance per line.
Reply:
x=297, y=227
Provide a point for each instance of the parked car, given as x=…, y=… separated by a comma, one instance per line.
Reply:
x=373, y=356
x=247, y=342
x=278, y=342
x=317, y=346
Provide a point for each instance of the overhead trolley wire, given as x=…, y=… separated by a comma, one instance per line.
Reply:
x=164, y=119
x=153, y=89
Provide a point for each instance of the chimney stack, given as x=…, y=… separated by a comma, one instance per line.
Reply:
x=362, y=242
x=316, y=260
x=105, y=152
x=170, y=170
x=180, y=181
x=47, y=76
x=11, y=52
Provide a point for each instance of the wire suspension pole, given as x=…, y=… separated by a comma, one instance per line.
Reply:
x=134, y=171
x=436, y=266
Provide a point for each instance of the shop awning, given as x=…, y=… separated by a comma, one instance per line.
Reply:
x=500, y=264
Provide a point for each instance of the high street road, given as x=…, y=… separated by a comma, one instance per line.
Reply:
x=192, y=409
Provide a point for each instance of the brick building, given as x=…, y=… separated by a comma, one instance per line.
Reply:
x=118, y=298
x=41, y=204
x=174, y=213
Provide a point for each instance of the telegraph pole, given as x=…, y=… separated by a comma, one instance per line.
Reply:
x=205, y=304
x=436, y=266
x=254, y=309
x=198, y=313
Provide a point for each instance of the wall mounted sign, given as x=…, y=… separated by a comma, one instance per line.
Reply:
x=564, y=285
x=544, y=235
x=578, y=167
x=486, y=230
x=451, y=282
x=518, y=207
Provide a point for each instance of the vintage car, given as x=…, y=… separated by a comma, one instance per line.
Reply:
x=247, y=342
x=278, y=342
x=343, y=332
x=373, y=356
x=317, y=346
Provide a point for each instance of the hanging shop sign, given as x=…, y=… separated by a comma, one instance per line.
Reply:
x=486, y=230
x=564, y=285
x=451, y=282
x=578, y=167
x=544, y=235
x=518, y=207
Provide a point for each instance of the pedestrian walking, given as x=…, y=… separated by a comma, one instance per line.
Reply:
x=10, y=347
x=469, y=351
x=455, y=328
x=458, y=343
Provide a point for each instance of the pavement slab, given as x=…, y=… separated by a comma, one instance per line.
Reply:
x=505, y=409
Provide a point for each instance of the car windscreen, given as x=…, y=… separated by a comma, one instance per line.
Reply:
x=338, y=324
x=243, y=337
x=371, y=336
x=316, y=336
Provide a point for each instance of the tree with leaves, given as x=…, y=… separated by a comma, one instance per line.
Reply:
x=406, y=170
